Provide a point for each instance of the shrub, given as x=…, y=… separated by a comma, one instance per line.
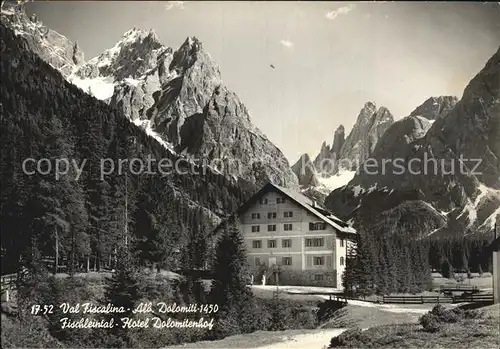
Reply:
x=433, y=320
x=304, y=318
x=459, y=312
x=438, y=310
x=450, y=316
x=294, y=315
x=471, y=314
x=354, y=338
x=430, y=322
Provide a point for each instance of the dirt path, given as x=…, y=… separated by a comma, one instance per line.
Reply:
x=394, y=308
x=316, y=340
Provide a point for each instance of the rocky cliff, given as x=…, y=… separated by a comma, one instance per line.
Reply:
x=184, y=101
x=54, y=48
x=370, y=126
x=327, y=159
x=336, y=164
x=305, y=171
x=435, y=107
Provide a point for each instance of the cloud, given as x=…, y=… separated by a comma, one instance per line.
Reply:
x=174, y=4
x=340, y=11
x=286, y=43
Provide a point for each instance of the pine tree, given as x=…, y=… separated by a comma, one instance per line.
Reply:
x=383, y=287
x=229, y=287
x=392, y=272
x=367, y=280
x=349, y=277
x=278, y=321
x=122, y=290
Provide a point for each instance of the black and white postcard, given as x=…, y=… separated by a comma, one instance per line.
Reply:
x=250, y=174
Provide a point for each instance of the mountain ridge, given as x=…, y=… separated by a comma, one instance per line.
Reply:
x=469, y=201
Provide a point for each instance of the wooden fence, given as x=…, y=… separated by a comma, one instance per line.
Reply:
x=454, y=287
x=438, y=299
x=473, y=298
x=416, y=299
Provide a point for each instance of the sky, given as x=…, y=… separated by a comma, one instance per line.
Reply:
x=330, y=58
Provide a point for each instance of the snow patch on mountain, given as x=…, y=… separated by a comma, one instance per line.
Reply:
x=357, y=190
x=471, y=211
x=147, y=127
x=340, y=179
x=101, y=87
x=485, y=192
x=441, y=213
x=491, y=220
x=373, y=187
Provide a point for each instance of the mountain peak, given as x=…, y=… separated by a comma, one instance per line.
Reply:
x=138, y=34
x=304, y=170
x=369, y=108
x=435, y=107
x=383, y=114
x=190, y=52
x=305, y=157
x=370, y=105
x=192, y=43
x=338, y=140
x=134, y=54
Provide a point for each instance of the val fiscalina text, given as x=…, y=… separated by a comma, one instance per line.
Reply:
x=148, y=307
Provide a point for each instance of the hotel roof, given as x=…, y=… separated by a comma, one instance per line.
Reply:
x=303, y=201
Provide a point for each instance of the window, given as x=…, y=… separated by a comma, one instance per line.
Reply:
x=318, y=260
x=318, y=277
x=317, y=226
x=255, y=228
x=255, y=215
x=288, y=214
x=315, y=242
x=271, y=215
x=341, y=260
x=257, y=261
x=286, y=261
x=257, y=244
x=341, y=242
x=286, y=243
x=280, y=200
x=263, y=201
x=288, y=227
x=271, y=244
x=271, y=227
